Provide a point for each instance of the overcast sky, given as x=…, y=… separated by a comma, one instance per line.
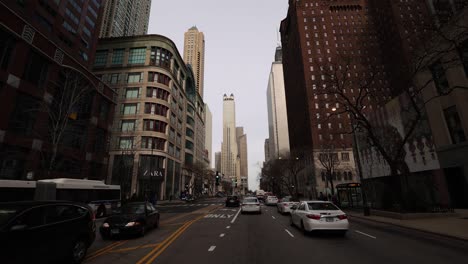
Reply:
x=240, y=38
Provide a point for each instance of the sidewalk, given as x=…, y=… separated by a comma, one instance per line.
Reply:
x=455, y=226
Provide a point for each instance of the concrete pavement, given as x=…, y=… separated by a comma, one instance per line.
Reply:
x=455, y=226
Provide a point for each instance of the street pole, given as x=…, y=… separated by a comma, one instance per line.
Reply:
x=361, y=178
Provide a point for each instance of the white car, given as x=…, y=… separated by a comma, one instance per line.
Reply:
x=285, y=204
x=251, y=204
x=271, y=200
x=319, y=215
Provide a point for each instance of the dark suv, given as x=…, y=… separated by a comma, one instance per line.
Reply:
x=232, y=201
x=45, y=232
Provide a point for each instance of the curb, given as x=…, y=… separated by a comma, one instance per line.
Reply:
x=363, y=219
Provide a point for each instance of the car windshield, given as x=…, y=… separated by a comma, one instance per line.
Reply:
x=322, y=206
x=250, y=200
x=6, y=213
x=232, y=197
x=133, y=209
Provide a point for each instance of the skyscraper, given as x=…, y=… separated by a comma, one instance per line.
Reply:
x=277, y=114
x=125, y=18
x=229, y=152
x=242, y=149
x=218, y=161
x=194, y=54
x=46, y=47
x=209, y=134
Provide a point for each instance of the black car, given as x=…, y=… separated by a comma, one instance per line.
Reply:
x=132, y=219
x=232, y=201
x=45, y=232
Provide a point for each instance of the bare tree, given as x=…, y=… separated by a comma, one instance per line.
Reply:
x=329, y=160
x=66, y=108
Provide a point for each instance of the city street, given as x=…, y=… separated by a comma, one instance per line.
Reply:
x=207, y=232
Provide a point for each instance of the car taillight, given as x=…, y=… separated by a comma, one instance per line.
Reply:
x=312, y=216
x=342, y=217
x=285, y=204
x=258, y=204
x=93, y=216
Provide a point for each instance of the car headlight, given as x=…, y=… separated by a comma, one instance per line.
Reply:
x=132, y=224
x=105, y=225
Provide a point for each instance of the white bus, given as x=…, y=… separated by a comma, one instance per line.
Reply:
x=13, y=190
x=101, y=197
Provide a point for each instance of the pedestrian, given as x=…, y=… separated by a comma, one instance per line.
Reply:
x=321, y=197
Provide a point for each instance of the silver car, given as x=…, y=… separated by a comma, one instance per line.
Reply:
x=284, y=205
x=319, y=215
x=251, y=205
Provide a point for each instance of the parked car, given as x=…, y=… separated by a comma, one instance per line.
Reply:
x=45, y=232
x=319, y=215
x=232, y=201
x=132, y=219
x=284, y=205
x=251, y=204
x=271, y=200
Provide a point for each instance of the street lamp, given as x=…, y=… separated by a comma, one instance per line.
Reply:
x=358, y=161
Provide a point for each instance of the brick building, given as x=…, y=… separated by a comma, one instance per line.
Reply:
x=45, y=54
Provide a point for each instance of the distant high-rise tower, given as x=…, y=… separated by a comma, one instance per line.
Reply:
x=125, y=18
x=194, y=54
x=218, y=161
x=209, y=134
x=277, y=113
x=242, y=149
x=229, y=153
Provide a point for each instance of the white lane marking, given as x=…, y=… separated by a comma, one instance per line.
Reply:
x=273, y=217
x=287, y=231
x=221, y=235
x=212, y=248
x=362, y=233
x=235, y=217
x=228, y=227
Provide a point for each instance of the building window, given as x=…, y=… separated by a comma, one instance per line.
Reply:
x=100, y=58
x=131, y=93
x=126, y=143
x=118, y=56
x=153, y=92
x=345, y=156
x=23, y=118
x=104, y=110
x=159, y=78
x=156, y=109
x=137, y=56
x=160, y=57
x=134, y=77
x=36, y=69
x=454, y=125
x=440, y=79
x=154, y=125
x=7, y=44
x=153, y=143
x=127, y=125
x=114, y=78
x=129, y=109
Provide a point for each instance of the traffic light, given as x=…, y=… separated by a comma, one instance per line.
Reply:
x=217, y=178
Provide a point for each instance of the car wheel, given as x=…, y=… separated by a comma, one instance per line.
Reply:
x=78, y=252
x=143, y=231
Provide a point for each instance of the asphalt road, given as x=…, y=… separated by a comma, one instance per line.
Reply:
x=210, y=233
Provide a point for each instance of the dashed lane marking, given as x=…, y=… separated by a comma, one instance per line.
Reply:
x=212, y=248
x=221, y=235
x=287, y=231
x=228, y=227
x=235, y=217
x=362, y=233
x=273, y=217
